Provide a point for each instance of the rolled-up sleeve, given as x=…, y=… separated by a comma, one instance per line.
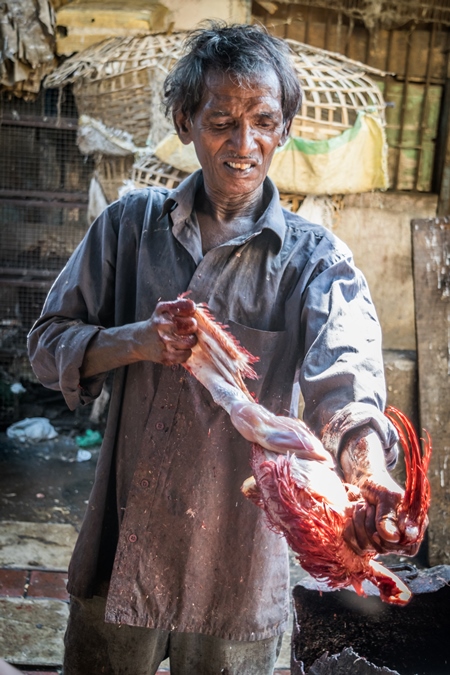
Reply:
x=79, y=305
x=342, y=373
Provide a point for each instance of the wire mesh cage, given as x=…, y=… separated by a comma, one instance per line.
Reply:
x=43, y=216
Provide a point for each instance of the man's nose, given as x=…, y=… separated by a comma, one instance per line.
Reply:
x=243, y=139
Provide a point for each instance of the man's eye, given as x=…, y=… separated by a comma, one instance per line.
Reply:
x=265, y=124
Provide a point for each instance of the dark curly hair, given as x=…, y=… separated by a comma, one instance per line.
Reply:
x=243, y=51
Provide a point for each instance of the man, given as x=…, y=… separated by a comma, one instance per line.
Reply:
x=186, y=566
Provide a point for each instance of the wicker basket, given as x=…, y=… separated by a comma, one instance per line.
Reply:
x=291, y=202
x=112, y=172
x=119, y=82
x=335, y=89
x=150, y=171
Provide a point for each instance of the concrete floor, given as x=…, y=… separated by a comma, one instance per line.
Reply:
x=43, y=495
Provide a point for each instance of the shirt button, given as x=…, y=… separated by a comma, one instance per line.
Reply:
x=175, y=366
x=132, y=538
x=144, y=483
x=159, y=426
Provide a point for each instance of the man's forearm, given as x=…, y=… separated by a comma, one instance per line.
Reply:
x=110, y=348
x=363, y=464
x=167, y=337
x=363, y=457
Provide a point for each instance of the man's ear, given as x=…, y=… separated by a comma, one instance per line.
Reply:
x=286, y=130
x=183, y=126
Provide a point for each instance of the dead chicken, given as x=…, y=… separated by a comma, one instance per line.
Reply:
x=294, y=477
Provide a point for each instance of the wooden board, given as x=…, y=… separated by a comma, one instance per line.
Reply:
x=83, y=23
x=412, y=139
x=431, y=255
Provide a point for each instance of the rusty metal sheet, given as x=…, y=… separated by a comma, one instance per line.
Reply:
x=431, y=269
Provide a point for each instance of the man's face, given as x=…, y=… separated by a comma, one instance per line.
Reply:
x=235, y=131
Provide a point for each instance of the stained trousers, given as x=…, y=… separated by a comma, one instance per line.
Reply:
x=93, y=647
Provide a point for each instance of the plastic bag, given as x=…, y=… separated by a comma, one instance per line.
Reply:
x=353, y=162
x=32, y=429
x=89, y=439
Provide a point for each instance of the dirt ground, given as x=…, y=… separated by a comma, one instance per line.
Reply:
x=44, y=482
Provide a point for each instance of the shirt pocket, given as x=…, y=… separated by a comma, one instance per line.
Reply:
x=273, y=367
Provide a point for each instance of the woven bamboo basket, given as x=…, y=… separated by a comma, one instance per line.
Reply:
x=150, y=171
x=119, y=81
x=112, y=172
x=335, y=89
x=291, y=202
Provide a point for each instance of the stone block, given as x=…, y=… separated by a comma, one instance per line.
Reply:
x=28, y=545
x=32, y=631
x=45, y=584
x=12, y=582
x=400, y=368
x=81, y=24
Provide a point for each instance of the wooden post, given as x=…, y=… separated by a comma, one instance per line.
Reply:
x=431, y=260
x=442, y=160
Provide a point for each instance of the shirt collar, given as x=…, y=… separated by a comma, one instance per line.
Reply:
x=180, y=204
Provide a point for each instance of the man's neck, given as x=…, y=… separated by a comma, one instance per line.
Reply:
x=222, y=219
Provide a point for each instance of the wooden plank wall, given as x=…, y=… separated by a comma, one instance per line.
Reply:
x=431, y=253
x=416, y=53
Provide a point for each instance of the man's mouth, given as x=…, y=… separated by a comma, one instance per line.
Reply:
x=241, y=166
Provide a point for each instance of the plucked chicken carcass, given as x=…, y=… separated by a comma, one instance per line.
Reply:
x=294, y=477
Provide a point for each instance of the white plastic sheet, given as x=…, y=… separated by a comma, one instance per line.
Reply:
x=32, y=430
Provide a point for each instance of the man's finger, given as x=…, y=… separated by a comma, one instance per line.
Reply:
x=387, y=524
x=360, y=529
x=182, y=307
x=175, y=357
x=185, y=325
x=175, y=342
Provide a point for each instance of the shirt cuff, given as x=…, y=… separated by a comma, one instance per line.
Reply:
x=356, y=415
x=90, y=389
x=69, y=359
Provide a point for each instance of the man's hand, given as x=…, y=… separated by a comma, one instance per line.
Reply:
x=374, y=525
x=167, y=337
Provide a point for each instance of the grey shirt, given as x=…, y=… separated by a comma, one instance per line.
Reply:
x=166, y=521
